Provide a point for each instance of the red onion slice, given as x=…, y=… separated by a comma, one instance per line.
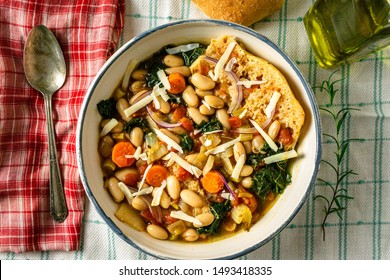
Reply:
x=210, y=59
x=227, y=186
x=237, y=99
x=159, y=121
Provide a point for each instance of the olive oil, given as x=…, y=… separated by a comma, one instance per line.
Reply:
x=347, y=30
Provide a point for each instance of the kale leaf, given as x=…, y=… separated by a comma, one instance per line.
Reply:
x=153, y=65
x=186, y=142
x=212, y=125
x=107, y=108
x=268, y=177
x=190, y=56
x=140, y=122
x=219, y=210
x=271, y=177
x=256, y=159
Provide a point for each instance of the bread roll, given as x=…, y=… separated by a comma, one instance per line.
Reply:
x=288, y=112
x=245, y=12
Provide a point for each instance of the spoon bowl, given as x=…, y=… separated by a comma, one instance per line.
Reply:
x=45, y=70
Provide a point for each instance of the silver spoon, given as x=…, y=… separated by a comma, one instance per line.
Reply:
x=45, y=70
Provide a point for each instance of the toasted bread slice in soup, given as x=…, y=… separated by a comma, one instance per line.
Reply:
x=288, y=110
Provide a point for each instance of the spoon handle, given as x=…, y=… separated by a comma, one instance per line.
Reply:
x=58, y=208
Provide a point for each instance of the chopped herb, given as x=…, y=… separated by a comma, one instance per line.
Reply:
x=272, y=177
x=186, y=142
x=107, y=108
x=140, y=122
x=190, y=56
x=212, y=125
x=219, y=210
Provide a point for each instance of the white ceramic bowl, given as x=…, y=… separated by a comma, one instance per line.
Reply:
x=304, y=169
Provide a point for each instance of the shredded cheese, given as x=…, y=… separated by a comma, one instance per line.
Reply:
x=164, y=79
x=186, y=165
x=279, y=157
x=248, y=84
x=238, y=167
x=138, y=105
x=243, y=114
x=212, y=132
x=268, y=139
x=222, y=61
x=223, y=147
x=185, y=217
x=161, y=91
x=126, y=192
x=209, y=164
x=272, y=104
x=182, y=48
x=144, y=191
x=158, y=193
x=107, y=128
x=229, y=65
x=144, y=177
x=136, y=154
x=155, y=100
x=166, y=139
x=206, y=104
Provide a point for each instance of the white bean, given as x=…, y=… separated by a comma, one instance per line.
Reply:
x=139, y=204
x=136, y=136
x=191, y=198
x=202, y=82
x=183, y=70
x=246, y=170
x=214, y=101
x=114, y=190
x=139, y=74
x=190, y=235
x=157, y=232
x=247, y=182
x=190, y=96
x=170, y=135
x=121, y=106
x=173, y=187
x=257, y=144
x=137, y=86
x=196, y=116
x=202, y=93
x=171, y=60
x=223, y=118
x=203, y=109
x=205, y=219
x=165, y=108
x=238, y=150
x=274, y=129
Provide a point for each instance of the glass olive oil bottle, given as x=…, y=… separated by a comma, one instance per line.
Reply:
x=345, y=30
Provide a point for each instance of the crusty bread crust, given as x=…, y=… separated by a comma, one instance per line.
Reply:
x=245, y=12
x=288, y=111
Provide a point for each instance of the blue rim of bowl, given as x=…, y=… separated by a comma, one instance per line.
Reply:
x=130, y=43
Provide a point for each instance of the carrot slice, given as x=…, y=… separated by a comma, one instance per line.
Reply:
x=156, y=175
x=177, y=82
x=179, y=113
x=212, y=182
x=235, y=121
x=119, y=153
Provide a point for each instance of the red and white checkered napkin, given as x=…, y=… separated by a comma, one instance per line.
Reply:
x=87, y=31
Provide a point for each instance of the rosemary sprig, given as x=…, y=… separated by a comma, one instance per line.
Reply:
x=333, y=204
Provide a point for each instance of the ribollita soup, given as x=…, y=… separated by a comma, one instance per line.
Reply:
x=196, y=141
